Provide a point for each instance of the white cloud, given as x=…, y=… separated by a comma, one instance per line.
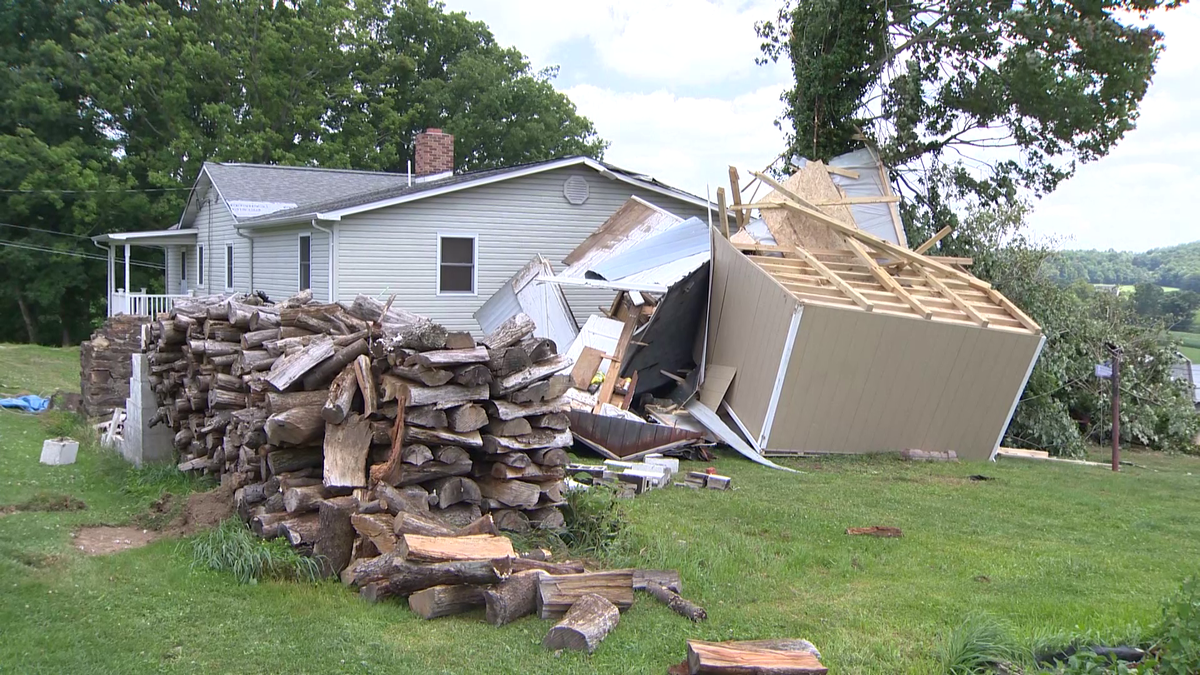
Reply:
x=678, y=41
x=685, y=142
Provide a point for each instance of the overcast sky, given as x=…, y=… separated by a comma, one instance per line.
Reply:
x=673, y=86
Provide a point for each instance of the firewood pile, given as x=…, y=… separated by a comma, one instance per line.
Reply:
x=299, y=403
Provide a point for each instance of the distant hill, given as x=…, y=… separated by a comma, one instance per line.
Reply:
x=1177, y=266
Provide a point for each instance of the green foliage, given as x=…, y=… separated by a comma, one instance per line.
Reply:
x=109, y=109
x=933, y=83
x=1178, y=648
x=595, y=519
x=233, y=548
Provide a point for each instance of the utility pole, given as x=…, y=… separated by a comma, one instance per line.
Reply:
x=1116, y=406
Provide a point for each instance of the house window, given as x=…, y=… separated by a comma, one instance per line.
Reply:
x=228, y=265
x=456, y=264
x=199, y=265
x=305, y=261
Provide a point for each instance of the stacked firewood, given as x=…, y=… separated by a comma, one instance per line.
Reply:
x=300, y=402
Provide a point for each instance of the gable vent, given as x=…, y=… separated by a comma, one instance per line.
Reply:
x=576, y=190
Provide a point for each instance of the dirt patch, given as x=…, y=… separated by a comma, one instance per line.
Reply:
x=203, y=511
x=105, y=540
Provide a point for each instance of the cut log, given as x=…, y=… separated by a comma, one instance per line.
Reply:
x=470, y=439
x=512, y=493
x=411, y=499
x=321, y=375
x=420, y=548
x=294, y=366
x=454, y=490
x=676, y=602
x=366, y=384
x=513, y=427
x=283, y=460
x=377, y=527
x=304, y=499
x=335, y=537
x=556, y=593
x=279, y=402
x=472, y=375
x=506, y=411
x=584, y=625
x=426, y=416
x=346, y=448
x=430, y=377
x=416, y=455
x=452, y=357
x=513, y=330
x=468, y=417
x=295, y=426
x=439, y=601
x=512, y=598
x=341, y=396
x=403, y=577
x=420, y=523
x=444, y=396
x=742, y=658
x=539, y=371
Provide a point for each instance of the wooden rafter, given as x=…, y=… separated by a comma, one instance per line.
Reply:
x=735, y=192
x=835, y=280
x=886, y=279
x=946, y=291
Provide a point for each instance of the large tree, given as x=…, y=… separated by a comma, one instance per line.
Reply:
x=108, y=110
x=978, y=100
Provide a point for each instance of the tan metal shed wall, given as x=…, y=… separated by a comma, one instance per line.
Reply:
x=860, y=382
x=749, y=317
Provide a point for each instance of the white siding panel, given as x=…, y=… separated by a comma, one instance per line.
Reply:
x=394, y=250
x=277, y=262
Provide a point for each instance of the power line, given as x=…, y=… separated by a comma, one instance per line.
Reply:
x=77, y=254
x=38, y=229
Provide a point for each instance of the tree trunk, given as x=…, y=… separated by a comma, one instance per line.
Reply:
x=512, y=598
x=440, y=601
x=584, y=626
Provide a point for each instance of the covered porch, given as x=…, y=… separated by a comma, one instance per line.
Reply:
x=121, y=299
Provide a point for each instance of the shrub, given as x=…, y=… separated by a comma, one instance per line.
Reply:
x=233, y=548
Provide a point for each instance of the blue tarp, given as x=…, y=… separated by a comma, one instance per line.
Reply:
x=28, y=403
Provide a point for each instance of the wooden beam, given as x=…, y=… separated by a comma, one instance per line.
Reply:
x=886, y=279
x=941, y=234
x=835, y=280
x=736, y=194
x=958, y=302
x=723, y=210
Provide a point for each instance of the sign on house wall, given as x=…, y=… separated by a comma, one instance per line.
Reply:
x=247, y=209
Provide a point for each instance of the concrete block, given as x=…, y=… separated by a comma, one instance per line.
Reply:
x=58, y=451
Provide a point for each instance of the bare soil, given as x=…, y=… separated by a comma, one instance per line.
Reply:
x=104, y=540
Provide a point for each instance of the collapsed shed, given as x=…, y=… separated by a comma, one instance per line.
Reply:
x=857, y=344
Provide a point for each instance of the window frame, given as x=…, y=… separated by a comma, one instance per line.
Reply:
x=474, y=263
x=200, y=265
x=300, y=239
x=228, y=267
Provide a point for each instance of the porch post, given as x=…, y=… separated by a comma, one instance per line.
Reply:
x=128, y=285
x=112, y=259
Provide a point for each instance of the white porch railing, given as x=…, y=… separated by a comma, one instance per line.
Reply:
x=141, y=304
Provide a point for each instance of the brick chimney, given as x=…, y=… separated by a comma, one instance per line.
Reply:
x=434, y=152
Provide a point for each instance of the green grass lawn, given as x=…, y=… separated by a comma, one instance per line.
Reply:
x=1046, y=548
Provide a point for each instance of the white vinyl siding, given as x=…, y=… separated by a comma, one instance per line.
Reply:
x=395, y=249
x=458, y=258
x=277, y=258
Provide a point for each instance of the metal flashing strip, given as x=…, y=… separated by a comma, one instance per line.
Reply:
x=1017, y=399
x=776, y=390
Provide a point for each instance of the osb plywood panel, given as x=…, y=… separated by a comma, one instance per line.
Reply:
x=750, y=314
x=791, y=229
x=866, y=382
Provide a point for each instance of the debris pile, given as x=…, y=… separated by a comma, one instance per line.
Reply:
x=366, y=407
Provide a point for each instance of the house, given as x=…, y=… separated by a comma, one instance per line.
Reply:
x=441, y=242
